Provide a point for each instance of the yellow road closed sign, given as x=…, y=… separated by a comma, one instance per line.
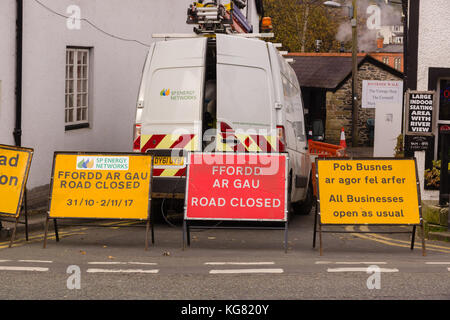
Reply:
x=378, y=191
x=14, y=168
x=101, y=186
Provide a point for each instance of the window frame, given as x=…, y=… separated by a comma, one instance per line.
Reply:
x=78, y=105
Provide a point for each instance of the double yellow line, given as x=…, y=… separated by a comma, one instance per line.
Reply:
x=391, y=241
x=62, y=234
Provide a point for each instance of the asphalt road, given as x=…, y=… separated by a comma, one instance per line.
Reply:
x=222, y=265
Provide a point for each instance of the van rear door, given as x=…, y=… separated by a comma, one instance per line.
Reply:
x=245, y=95
x=172, y=113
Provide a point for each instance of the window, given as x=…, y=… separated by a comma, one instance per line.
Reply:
x=444, y=100
x=398, y=63
x=386, y=60
x=77, y=88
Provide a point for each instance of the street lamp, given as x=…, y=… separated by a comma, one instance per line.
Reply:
x=353, y=14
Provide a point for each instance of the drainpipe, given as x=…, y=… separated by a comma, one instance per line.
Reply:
x=19, y=42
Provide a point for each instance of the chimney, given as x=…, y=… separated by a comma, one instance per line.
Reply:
x=380, y=41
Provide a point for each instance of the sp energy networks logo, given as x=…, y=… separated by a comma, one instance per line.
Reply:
x=165, y=93
x=179, y=94
x=103, y=163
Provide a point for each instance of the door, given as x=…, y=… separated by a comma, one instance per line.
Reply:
x=173, y=96
x=245, y=99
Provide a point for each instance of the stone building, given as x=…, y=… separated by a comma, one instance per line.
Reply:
x=326, y=81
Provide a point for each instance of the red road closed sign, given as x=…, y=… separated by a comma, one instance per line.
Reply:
x=230, y=186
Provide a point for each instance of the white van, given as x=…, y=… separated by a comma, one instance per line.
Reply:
x=220, y=93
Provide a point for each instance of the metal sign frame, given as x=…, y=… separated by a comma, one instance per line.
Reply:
x=187, y=226
x=149, y=218
x=317, y=220
x=6, y=217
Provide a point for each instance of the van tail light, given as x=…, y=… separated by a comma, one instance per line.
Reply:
x=225, y=128
x=281, y=135
x=137, y=138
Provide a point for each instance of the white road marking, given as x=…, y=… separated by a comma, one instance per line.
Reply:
x=246, y=271
x=122, y=263
x=358, y=270
x=35, y=261
x=121, y=271
x=144, y=263
x=437, y=263
x=107, y=263
x=323, y=262
x=350, y=262
x=370, y=263
x=239, y=263
x=1, y=261
x=9, y=268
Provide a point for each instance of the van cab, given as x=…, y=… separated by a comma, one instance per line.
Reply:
x=223, y=93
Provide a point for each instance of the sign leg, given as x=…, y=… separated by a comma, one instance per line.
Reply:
x=424, y=252
x=26, y=214
x=188, y=234
x=320, y=240
x=146, y=234
x=315, y=229
x=413, y=237
x=56, y=230
x=46, y=232
x=286, y=237
x=184, y=234
x=14, y=232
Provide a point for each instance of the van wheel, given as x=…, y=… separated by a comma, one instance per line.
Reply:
x=305, y=207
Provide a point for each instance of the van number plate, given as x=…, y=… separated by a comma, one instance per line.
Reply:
x=168, y=161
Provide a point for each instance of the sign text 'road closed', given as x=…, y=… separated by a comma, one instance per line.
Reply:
x=236, y=187
x=368, y=191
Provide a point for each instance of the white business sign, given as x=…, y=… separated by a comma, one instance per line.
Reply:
x=377, y=93
x=386, y=97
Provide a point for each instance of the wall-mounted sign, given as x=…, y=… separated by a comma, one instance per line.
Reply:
x=376, y=93
x=419, y=111
x=419, y=143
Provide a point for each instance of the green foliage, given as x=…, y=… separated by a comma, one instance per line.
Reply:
x=433, y=176
x=399, y=148
x=297, y=24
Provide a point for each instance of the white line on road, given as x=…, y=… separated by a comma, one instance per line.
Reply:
x=122, y=263
x=239, y=263
x=358, y=270
x=437, y=263
x=121, y=271
x=370, y=263
x=35, y=261
x=246, y=271
x=350, y=262
x=107, y=263
x=1, y=261
x=9, y=268
x=323, y=262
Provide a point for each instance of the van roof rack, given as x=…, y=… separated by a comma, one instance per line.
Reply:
x=194, y=35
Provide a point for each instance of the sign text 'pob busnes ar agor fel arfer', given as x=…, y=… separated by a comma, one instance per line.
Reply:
x=368, y=192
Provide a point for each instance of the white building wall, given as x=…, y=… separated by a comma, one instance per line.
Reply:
x=434, y=43
x=115, y=73
x=7, y=70
x=116, y=67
